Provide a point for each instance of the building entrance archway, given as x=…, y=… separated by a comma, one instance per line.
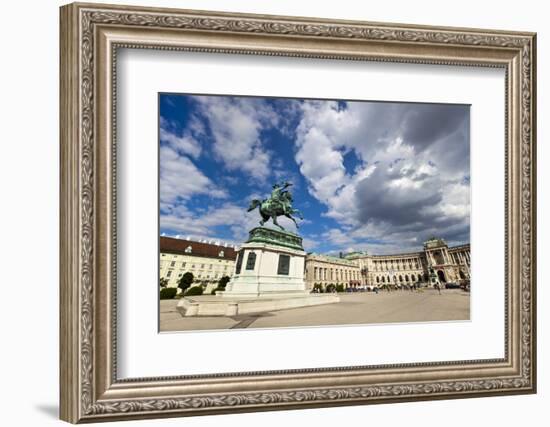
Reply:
x=441, y=276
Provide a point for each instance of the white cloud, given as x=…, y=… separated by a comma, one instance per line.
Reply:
x=411, y=157
x=408, y=182
x=199, y=224
x=180, y=178
x=184, y=144
x=320, y=163
x=236, y=126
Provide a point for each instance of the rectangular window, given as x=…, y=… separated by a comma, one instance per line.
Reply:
x=239, y=263
x=169, y=273
x=173, y=263
x=251, y=261
x=284, y=265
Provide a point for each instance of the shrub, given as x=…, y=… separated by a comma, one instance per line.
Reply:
x=331, y=288
x=317, y=287
x=195, y=290
x=339, y=288
x=216, y=290
x=168, y=293
x=223, y=282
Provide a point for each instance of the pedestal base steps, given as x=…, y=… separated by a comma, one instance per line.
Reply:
x=215, y=305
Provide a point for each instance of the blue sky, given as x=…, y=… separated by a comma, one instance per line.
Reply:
x=372, y=176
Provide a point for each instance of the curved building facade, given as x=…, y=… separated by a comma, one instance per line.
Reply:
x=445, y=264
x=324, y=270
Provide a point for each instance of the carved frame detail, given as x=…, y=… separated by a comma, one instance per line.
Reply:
x=90, y=390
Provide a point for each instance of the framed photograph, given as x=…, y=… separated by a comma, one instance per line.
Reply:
x=267, y=212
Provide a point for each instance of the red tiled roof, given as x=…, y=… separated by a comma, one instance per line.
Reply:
x=178, y=246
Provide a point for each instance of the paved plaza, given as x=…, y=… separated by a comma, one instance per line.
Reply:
x=354, y=308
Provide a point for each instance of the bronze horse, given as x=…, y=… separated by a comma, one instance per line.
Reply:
x=273, y=208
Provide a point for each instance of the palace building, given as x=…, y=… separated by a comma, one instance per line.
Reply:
x=324, y=270
x=208, y=261
x=448, y=264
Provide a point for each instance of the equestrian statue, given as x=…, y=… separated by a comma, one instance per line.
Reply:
x=279, y=204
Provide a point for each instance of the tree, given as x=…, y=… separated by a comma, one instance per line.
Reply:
x=223, y=282
x=163, y=282
x=185, y=281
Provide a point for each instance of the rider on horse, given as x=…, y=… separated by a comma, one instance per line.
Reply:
x=280, y=197
x=279, y=204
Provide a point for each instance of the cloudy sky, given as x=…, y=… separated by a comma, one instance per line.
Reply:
x=374, y=176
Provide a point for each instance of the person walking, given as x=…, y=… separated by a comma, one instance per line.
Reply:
x=438, y=287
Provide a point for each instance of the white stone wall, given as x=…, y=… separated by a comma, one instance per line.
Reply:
x=264, y=278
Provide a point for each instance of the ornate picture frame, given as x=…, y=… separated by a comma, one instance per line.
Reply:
x=90, y=37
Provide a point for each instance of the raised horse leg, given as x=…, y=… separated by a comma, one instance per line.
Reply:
x=298, y=213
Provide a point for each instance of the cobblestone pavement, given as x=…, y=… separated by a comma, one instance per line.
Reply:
x=354, y=308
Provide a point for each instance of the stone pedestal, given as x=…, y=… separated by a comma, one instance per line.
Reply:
x=269, y=275
x=271, y=262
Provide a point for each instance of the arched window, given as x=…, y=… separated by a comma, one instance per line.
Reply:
x=406, y=277
x=412, y=278
x=377, y=279
x=383, y=279
x=189, y=249
x=400, y=278
x=221, y=254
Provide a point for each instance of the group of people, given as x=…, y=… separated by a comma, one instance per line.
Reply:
x=412, y=288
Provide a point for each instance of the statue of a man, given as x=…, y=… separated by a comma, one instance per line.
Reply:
x=277, y=194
